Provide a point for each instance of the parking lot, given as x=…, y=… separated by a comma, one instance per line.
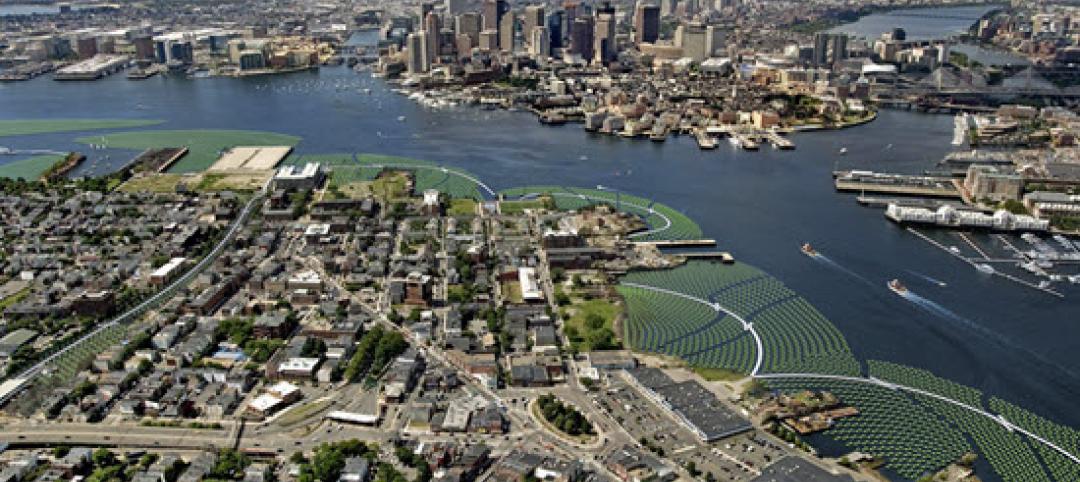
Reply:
x=737, y=458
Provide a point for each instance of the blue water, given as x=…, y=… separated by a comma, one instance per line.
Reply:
x=25, y=9
x=920, y=23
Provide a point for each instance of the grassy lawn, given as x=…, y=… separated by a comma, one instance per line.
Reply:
x=462, y=207
x=519, y=207
x=204, y=145
x=391, y=185
x=163, y=183
x=302, y=413
x=238, y=181
x=15, y=298
x=512, y=292
x=45, y=126
x=30, y=168
x=588, y=321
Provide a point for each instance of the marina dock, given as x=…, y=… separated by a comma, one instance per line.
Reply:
x=973, y=264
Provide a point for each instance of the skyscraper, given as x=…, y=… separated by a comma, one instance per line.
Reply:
x=715, y=38
x=821, y=49
x=570, y=9
x=493, y=13
x=489, y=40
x=416, y=45
x=646, y=23
x=469, y=23
x=694, y=41
x=667, y=7
x=431, y=34
x=604, y=38
x=533, y=17
x=507, y=30
x=839, y=48
x=539, y=44
x=581, y=40
x=555, y=29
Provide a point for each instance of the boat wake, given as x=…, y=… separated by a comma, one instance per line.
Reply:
x=841, y=268
x=940, y=311
x=929, y=279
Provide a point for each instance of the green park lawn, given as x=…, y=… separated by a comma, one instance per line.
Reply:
x=22, y=127
x=29, y=168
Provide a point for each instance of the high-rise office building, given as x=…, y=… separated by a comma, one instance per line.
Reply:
x=581, y=41
x=425, y=9
x=533, y=17
x=693, y=38
x=839, y=48
x=715, y=38
x=469, y=23
x=507, y=32
x=489, y=40
x=667, y=7
x=646, y=23
x=539, y=44
x=416, y=46
x=555, y=29
x=463, y=45
x=493, y=13
x=144, y=47
x=570, y=9
x=604, y=37
x=821, y=49
x=431, y=34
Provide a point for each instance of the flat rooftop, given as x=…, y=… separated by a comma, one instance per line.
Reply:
x=795, y=469
x=255, y=158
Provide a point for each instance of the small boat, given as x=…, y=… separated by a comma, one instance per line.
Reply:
x=897, y=287
x=809, y=250
x=401, y=118
x=1044, y=284
x=984, y=268
x=843, y=150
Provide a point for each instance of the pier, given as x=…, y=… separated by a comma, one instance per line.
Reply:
x=884, y=202
x=1009, y=277
x=679, y=243
x=868, y=181
x=724, y=256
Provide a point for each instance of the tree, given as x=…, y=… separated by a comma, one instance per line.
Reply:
x=327, y=463
x=102, y=457
x=313, y=348
x=230, y=464
x=562, y=299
